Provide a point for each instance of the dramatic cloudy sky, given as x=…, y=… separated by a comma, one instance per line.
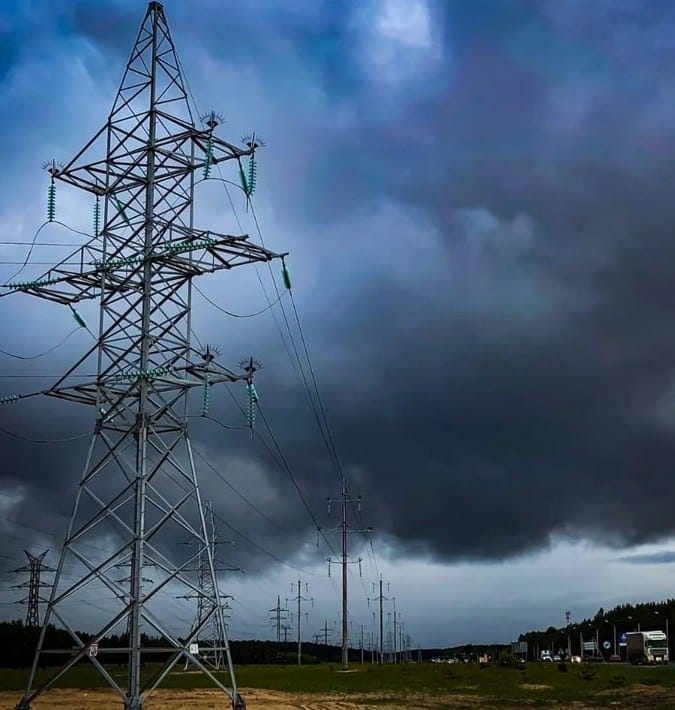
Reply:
x=478, y=205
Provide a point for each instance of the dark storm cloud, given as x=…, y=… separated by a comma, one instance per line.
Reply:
x=481, y=245
x=516, y=421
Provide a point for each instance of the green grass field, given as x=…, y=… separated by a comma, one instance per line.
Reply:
x=501, y=686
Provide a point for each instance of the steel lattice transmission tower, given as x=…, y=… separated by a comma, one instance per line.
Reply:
x=35, y=567
x=209, y=640
x=278, y=617
x=209, y=598
x=139, y=492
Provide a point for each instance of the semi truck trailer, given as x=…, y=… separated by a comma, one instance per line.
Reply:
x=646, y=647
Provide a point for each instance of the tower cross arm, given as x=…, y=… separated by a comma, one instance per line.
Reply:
x=120, y=386
x=348, y=529
x=104, y=177
x=221, y=150
x=192, y=254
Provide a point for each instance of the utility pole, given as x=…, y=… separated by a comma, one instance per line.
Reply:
x=361, y=644
x=389, y=644
x=400, y=640
x=344, y=529
x=299, y=598
x=326, y=633
x=568, y=616
x=380, y=598
x=139, y=485
x=34, y=568
x=285, y=628
x=277, y=617
x=394, y=647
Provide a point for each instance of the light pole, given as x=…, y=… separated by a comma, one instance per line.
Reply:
x=568, y=617
x=628, y=618
x=581, y=644
x=665, y=616
x=613, y=634
x=569, y=638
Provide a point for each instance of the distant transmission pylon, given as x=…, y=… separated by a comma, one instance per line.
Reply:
x=209, y=640
x=139, y=491
x=278, y=616
x=35, y=567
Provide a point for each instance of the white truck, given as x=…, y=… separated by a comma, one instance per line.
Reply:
x=646, y=647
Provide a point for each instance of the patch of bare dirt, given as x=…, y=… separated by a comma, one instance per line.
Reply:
x=633, y=697
x=638, y=689
x=60, y=699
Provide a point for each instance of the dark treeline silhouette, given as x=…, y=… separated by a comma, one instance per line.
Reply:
x=469, y=652
x=605, y=626
x=18, y=642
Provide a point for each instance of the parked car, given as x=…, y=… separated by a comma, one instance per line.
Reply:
x=575, y=659
x=556, y=658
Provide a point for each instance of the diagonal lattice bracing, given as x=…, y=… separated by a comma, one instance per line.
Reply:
x=139, y=495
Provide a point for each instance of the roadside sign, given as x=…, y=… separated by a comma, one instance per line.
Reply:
x=607, y=645
x=92, y=650
x=194, y=649
x=623, y=639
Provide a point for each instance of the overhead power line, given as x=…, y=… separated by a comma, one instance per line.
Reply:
x=322, y=420
x=33, y=243
x=237, y=492
x=237, y=315
x=49, y=351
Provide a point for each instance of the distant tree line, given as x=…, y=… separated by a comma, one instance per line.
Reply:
x=18, y=643
x=605, y=626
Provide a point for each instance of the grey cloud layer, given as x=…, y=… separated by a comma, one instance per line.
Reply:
x=482, y=252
